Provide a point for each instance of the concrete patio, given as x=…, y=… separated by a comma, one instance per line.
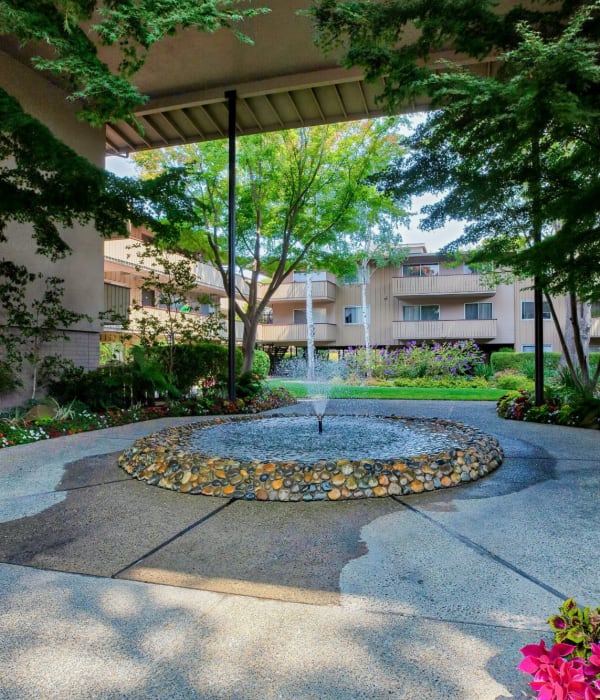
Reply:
x=111, y=588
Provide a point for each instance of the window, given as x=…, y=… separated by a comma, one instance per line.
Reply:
x=148, y=297
x=527, y=311
x=319, y=316
x=418, y=270
x=207, y=309
x=596, y=309
x=531, y=348
x=421, y=313
x=478, y=311
x=353, y=315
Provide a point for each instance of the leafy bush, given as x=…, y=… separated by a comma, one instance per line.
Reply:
x=519, y=405
x=248, y=385
x=203, y=363
x=8, y=381
x=522, y=361
x=438, y=359
x=261, y=364
x=512, y=380
x=115, y=385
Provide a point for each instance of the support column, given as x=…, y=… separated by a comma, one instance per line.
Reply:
x=538, y=316
x=231, y=96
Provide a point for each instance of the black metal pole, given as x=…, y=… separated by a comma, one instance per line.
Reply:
x=538, y=320
x=231, y=105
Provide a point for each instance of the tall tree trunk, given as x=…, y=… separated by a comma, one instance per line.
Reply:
x=364, y=281
x=310, y=326
x=577, y=334
x=249, y=341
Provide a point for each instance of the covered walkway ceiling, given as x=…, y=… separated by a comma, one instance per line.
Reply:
x=282, y=81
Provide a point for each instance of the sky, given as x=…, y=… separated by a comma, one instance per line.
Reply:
x=433, y=240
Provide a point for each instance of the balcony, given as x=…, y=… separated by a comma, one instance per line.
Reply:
x=442, y=285
x=445, y=330
x=322, y=290
x=127, y=252
x=295, y=333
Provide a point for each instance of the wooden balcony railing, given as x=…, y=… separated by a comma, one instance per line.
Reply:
x=445, y=330
x=273, y=333
x=127, y=252
x=441, y=285
x=323, y=290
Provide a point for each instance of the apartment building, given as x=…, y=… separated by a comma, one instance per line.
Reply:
x=426, y=298
x=126, y=267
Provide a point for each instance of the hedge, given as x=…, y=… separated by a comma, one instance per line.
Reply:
x=520, y=361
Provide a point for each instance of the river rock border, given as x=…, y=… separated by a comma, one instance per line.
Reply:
x=161, y=459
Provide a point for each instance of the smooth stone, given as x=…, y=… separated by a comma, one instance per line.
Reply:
x=416, y=486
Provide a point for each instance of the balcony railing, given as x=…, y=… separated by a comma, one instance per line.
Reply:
x=273, y=333
x=126, y=252
x=441, y=285
x=322, y=290
x=484, y=329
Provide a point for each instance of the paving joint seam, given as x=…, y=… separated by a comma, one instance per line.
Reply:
x=483, y=551
x=86, y=486
x=173, y=538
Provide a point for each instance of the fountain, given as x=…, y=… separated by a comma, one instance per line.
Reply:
x=275, y=457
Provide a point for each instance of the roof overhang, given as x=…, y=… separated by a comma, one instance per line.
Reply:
x=282, y=81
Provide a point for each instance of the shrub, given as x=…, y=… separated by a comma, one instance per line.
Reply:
x=115, y=385
x=519, y=405
x=512, y=380
x=444, y=382
x=261, y=364
x=248, y=385
x=8, y=381
x=200, y=363
x=522, y=362
x=439, y=359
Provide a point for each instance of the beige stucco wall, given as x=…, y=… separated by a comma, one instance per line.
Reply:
x=83, y=270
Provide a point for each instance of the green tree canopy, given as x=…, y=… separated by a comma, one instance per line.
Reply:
x=297, y=193
x=74, y=30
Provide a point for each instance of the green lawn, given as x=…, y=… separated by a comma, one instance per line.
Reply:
x=341, y=391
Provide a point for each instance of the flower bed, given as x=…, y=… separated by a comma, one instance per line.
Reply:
x=520, y=405
x=20, y=431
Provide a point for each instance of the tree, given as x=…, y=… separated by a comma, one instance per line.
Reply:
x=514, y=152
x=74, y=30
x=297, y=192
x=171, y=281
x=29, y=327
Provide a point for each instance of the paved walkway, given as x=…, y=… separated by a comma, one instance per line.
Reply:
x=110, y=588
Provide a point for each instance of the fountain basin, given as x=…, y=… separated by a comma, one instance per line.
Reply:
x=178, y=459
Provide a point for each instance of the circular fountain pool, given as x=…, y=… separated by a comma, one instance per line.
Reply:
x=284, y=458
x=297, y=439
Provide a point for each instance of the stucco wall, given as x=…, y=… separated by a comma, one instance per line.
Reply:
x=83, y=269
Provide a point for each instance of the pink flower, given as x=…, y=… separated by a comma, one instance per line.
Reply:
x=563, y=680
x=537, y=656
x=592, y=670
